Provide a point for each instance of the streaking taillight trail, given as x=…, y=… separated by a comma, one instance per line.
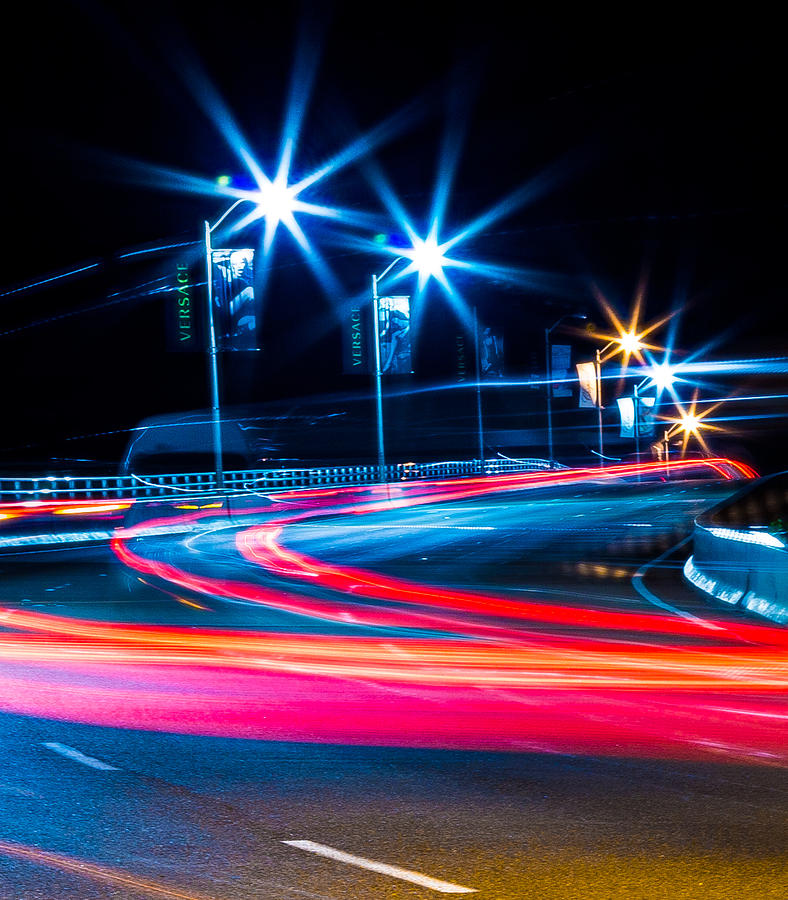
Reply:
x=477, y=670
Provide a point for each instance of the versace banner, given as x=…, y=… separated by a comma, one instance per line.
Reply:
x=356, y=341
x=235, y=309
x=184, y=308
x=394, y=323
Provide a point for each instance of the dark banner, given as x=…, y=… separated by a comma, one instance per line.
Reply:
x=394, y=321
x=646, y=416
x=234, y=306
x=490, y=353
x=184, y=309
x=356, y=342
x=560, y=364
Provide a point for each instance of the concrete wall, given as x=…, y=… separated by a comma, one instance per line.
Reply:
x=742, y=567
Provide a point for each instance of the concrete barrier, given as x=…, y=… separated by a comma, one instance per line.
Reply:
x=743, y=562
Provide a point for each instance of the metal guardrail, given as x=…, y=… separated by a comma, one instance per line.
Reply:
x=64, y=487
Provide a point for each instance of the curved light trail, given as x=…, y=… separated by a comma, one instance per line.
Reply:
x=464, y=669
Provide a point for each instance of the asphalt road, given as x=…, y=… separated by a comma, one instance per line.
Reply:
x=95, y=811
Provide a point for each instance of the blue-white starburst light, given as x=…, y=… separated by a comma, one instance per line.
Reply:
x=428, y=259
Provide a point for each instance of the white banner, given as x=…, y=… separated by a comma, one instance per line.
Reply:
x=586, y=374
x=626, y=408
x=645, y=423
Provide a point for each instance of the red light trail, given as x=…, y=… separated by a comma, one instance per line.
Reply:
x=484, y=678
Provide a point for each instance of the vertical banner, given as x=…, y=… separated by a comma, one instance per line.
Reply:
x=626, y=409
x=394, y=322
x=646, y=416
x=645, y=413
x=461, y=358
x=560, y=361
x=356, y=341
x=491, y=353
x=183, y=306
x=586, y=375
x=234, y=306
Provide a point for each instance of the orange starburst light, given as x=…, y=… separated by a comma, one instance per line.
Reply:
x=690, y=423
x=627, y=339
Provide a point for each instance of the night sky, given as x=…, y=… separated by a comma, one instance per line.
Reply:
x=657, y=140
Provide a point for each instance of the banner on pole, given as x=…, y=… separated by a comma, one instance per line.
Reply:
x=356, y=341
x=394, y=323
x=645, y=421
x=560, y=361
x=491, y=358
x=183, y=308
x=234, y=306
x=586, y=375
x=646, y=416
x=626, y=409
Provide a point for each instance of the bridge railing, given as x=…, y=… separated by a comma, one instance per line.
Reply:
x=63, y=487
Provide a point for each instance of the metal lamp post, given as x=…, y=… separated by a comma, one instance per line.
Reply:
x=549, y=378
x=666, y=442
x=599, y=401
x=599, y=353
x=479, y=419
x=378, y=379
x=213, y=349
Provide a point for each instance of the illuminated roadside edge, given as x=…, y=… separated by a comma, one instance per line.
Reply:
x=715, y=587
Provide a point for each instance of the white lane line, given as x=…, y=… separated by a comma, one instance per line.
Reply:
x=646, y=594
x=71, y=753
x=434, y=884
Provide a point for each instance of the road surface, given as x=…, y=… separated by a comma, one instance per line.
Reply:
x=391, y=747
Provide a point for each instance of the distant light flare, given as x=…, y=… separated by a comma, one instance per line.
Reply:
x=628, y=338
x=630, y=343
x=277, y=199
x=663, y=376
x=691, y=423
x=429, y=254
x=428, y=259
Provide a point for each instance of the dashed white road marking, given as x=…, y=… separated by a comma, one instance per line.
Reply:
x=434, y=884
x=71, y=753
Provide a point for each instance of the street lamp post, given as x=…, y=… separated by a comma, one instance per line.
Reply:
x=213, y=365
x=549, y=379
x=599, y=402
x=628, y=342
x=666, y=441
x=378, y=379
x=213, y=349
x=479, y=420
